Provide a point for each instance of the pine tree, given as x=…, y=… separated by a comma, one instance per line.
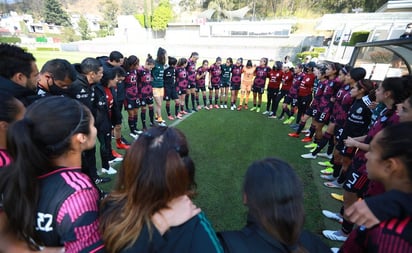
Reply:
x=54, y=13
x=84, y=28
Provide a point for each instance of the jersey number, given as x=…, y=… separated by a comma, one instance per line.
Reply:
x=44, y=222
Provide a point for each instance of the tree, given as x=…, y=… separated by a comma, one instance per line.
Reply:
x=110, y=11
x=129, y=7
x=54, y=13
x=84, y=28
x=188, y=5
x=162, y=15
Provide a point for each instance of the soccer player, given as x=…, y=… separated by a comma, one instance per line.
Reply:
x=104, y=105
x=235, y=82
x=258, y=88
x=275, y=80
x=157, y=169
x=201, y=83
x=158, y=83
x=11, y=109
x=181, y=81
x=132, y=101
x=275, y=212
x=191, y=81
x=47, y=199
x=215, y=72
x=145, y=86
x=391, y=91
x=248, y=73
x=116, y=59
x=170, y=87
x=388, y=162
x=287, y=82
x=225, y=84
x=291, y=97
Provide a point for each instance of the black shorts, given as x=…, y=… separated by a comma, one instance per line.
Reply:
x=147, y=101
x=170, y=94
x=311, y=111
x=191, y=86
x=214, y=86
x=288, y=100
x=198, y=89
x=343, y=150
x=131, y=104
x=323, y=117
x=259, y=90
x=235, y=86
x=225, y=85
x=356, y=182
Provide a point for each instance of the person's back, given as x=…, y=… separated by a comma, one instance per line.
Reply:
x=156, y=170
x=274, y=196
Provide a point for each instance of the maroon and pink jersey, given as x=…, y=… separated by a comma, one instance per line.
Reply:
x=275, y=79
x=68, y=211
x=200, y=83
x=342, y=105
x=145, y=82
x=236, y=74
x=318, y=94
x=215, y=75
x=261, y=74
x=5, y=158
x=293, y=91
x=392, y=235
x=191, y=73
x=181, y=78
x=287, y=80
x=386, y=118
x=329, y=94
x=130, y=85
x=306, y=85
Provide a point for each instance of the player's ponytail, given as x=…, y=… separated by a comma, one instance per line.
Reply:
x=34, y=143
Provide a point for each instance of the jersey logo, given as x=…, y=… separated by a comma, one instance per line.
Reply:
x=359, y=111
x=44, y=222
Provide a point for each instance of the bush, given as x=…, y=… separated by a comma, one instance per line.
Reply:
x=10, y=40
x=319, y=50
x=361, y=36
x=140, y=18
x=303, y=55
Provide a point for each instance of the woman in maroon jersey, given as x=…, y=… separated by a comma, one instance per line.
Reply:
x=258, y=88
x=215, y=71
x=388, y=162
x=47, y=199
x=201, y=84
x=235, y=82
x=181, y=81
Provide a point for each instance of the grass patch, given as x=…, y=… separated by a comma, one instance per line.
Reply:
x=223, y=144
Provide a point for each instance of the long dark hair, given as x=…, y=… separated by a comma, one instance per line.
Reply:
x=156, y=169
x=274, y=196
x=8, y=107
x=43, y=135
x=130, y=62
x=396, y=141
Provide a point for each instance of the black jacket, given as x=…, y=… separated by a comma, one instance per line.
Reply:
x=254, y=239
x=25, y=95
x=100, y=107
